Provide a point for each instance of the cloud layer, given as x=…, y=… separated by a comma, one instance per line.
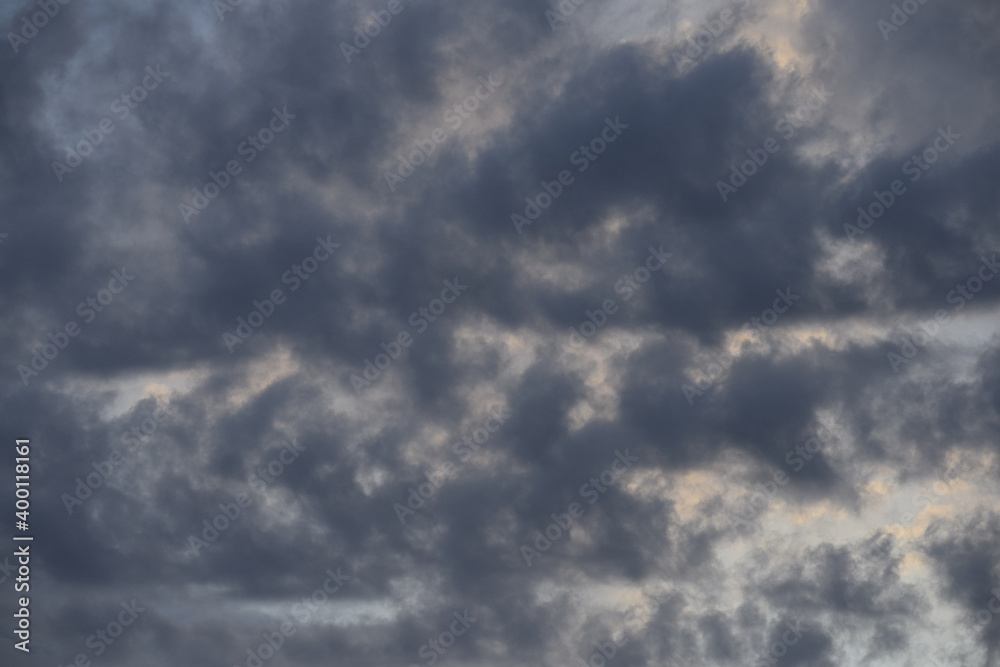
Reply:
x=405, y=332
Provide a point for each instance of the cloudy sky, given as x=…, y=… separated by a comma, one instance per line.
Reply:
x=507, y=332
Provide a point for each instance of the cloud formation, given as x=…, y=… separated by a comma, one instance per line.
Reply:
x=270, y=268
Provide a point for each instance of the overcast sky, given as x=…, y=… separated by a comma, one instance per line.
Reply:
x=507, y=332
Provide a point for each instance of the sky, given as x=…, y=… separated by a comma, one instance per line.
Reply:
x=521, y=332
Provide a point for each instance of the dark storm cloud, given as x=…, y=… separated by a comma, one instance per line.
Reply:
x=501, y=343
